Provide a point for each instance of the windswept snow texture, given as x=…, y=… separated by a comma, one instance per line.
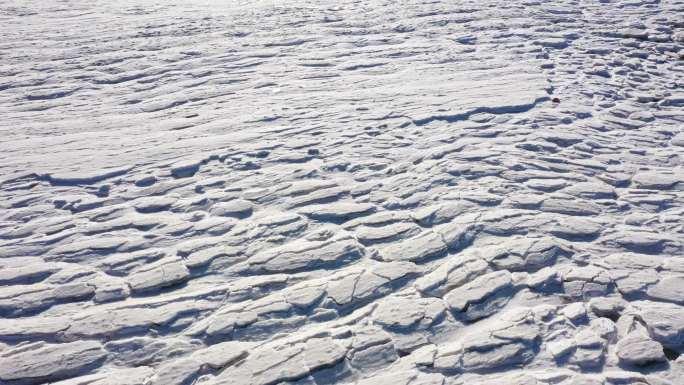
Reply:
x=342, y=192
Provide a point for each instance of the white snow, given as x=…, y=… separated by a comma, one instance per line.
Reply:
x=316, y=193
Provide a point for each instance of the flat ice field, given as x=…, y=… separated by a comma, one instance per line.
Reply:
x=341, y=192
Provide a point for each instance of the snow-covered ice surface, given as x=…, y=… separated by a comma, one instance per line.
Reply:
x=349, y=192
